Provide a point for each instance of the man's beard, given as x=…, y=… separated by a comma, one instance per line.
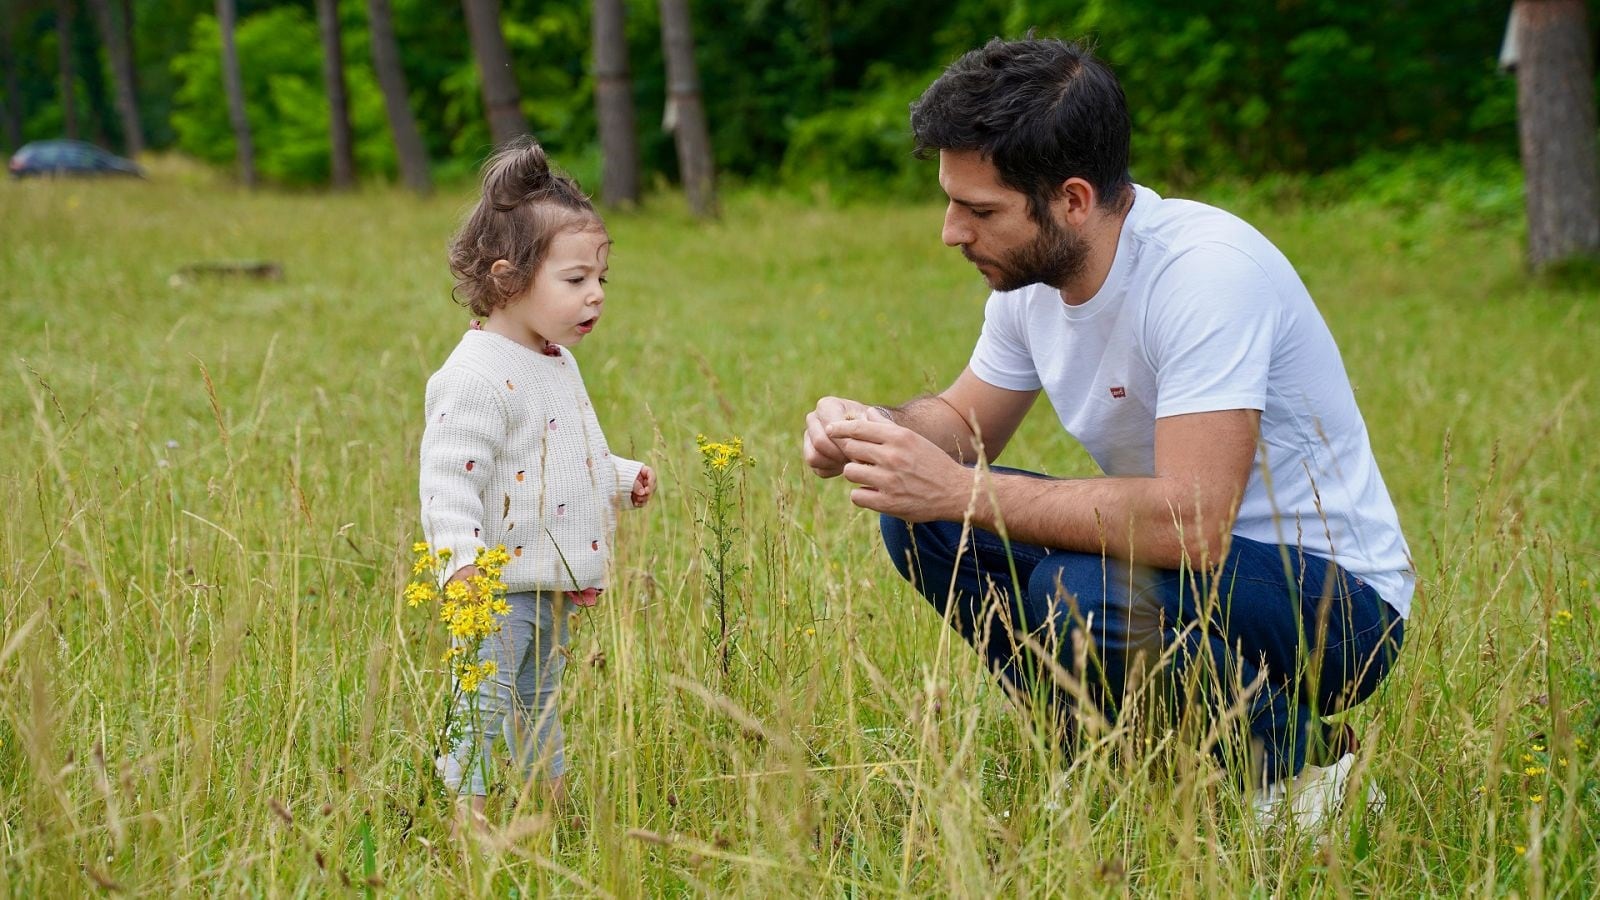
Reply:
x=1054, y=257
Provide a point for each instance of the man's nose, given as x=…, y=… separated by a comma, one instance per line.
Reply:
x=954, y=233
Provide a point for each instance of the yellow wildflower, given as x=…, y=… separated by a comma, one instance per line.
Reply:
x=419, y=547
x=1531, y=771
x=1537, y=798
x=420, y=592
x=720, y=455
x=473, y=675
x=1521, y=850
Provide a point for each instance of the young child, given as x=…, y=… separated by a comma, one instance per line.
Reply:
x=513, y=455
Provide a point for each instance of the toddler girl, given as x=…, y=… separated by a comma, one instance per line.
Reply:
x=513, y=455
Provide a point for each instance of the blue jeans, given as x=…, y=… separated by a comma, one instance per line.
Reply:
x=520, y=702
x=1318, y=639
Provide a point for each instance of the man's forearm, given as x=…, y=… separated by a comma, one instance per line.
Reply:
x=1146, y=520
x=935, y=419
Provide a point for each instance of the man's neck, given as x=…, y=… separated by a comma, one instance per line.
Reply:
x=1103, y=234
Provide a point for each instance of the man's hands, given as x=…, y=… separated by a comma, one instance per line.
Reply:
x=899, y=471
x=643, y=487
x=820, y=451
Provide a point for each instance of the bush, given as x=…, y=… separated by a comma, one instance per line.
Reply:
x=286, y=102
x=864, y=146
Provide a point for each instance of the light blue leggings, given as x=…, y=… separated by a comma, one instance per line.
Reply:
x=521, y=701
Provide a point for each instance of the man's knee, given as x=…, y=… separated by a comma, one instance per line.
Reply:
x=1068, y=582
x=899, y=542
x=1114, y=602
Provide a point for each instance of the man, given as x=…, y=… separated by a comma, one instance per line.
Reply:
x=1241, y=524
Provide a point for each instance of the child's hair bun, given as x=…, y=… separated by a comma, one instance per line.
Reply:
x=522, y=173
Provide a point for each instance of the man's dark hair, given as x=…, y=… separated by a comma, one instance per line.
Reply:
x=1040, y=110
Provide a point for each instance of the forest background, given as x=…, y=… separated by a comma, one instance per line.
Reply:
x=800, y=93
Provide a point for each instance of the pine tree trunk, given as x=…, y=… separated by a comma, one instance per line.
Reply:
x=1556, y=120
x=69, y=78
x=408, y=146
x=13, y=98
x=233, y=82
x=502, y=100
x=619, y=144
x=120, y=56
x=686, y=116
x=343, y=169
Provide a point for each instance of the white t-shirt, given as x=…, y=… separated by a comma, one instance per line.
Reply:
x=1201, y=313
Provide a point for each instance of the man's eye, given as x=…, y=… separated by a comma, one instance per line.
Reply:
x=982, y=213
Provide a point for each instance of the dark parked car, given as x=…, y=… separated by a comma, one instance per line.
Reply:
x=69, y=158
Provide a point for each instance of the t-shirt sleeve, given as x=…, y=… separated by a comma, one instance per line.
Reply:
x=1002, y=357
x=465, y=428
x=1211, y=323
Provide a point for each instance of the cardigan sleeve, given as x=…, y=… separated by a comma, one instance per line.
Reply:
x=627, y=473
x=466, y=427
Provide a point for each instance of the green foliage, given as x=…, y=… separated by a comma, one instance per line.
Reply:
x=285, y=99
x=1218, y=89
x=862, y=147
x=813, y=92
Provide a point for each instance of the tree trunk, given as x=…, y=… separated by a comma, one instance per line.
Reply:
x=501, y=100
x=127, y=41
x=342, y=141
x=619, y=145
x=120, y=56
x=233, y=82
x=13, y=98
x=1556, y=120
x=397, y=98
x=686, y=117
x=69, y=79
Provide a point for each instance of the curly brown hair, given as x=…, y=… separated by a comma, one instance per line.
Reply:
x=524, y=205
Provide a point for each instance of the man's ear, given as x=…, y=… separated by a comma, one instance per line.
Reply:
x=499, y=267
x=1075, y=201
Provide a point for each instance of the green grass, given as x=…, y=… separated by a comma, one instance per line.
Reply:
x=208, y=682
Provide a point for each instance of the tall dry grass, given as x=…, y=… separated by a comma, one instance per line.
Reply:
x=209, y=683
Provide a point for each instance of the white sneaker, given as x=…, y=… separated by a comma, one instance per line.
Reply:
x=1311, y=799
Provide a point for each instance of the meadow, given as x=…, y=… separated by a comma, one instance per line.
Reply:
x=209, y=682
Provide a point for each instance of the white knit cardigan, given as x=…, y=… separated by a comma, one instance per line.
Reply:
x=513, y=455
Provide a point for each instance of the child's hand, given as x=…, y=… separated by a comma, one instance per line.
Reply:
x=464, y=573
x=643, y=486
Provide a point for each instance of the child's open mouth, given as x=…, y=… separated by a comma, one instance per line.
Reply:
x=587, y=325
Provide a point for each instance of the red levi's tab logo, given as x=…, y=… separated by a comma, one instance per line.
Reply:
x=1118, y=392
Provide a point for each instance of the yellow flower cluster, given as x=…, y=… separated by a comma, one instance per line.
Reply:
x=720, y=455
x=470, y=676
x=468, y=607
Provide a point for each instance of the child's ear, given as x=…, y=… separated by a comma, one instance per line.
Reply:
x=499, y=267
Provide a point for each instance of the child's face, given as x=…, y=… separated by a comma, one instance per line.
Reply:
x=564, y=301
